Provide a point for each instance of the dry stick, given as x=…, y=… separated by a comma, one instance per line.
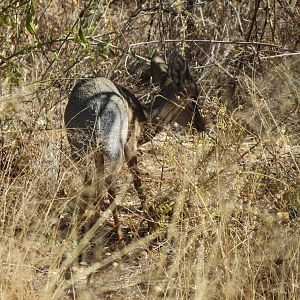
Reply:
x=78, y=249
x=233, y=42
x=259, y=140
x=50, y=289
x=12, y=6
x=257, y=3
x=68, y=35
x=280, y=55
x=240, y=62
x=29, y=48
x=287, y=8
x=39, y=45
x=99, y=265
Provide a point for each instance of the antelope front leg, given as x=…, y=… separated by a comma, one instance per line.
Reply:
x=132, y=165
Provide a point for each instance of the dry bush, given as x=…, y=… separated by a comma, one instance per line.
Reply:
x=227, y=203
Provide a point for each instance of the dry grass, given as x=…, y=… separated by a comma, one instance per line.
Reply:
x=227, y=203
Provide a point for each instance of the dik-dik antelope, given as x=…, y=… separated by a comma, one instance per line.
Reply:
x=109, y=120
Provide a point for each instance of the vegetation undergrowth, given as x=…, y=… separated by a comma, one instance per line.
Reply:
x=226, y=202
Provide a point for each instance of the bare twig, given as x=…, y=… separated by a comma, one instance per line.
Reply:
x=251, y=43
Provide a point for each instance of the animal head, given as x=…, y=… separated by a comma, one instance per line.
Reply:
x=178, y=86
x=175, y=76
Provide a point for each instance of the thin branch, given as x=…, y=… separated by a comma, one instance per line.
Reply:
x=213, y=42
x=257, y=3
x=280, y=55
x=12, y=6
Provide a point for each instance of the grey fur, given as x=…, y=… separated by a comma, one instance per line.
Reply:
x=99, y=111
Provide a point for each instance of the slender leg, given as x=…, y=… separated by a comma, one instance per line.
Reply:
x=89, y=201
x=99, y=161
x=79, y=154
x=81, y=157
x=111, y=182
x=80, y=201
x=132, y=165
x=86, y=199
x=130, y=156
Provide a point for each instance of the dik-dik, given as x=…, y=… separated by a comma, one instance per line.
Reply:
x=110, y=121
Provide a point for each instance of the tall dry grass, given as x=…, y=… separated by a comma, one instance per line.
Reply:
x=227, y=203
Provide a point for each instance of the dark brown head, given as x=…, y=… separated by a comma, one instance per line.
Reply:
x=183, y=80
x=179, y=87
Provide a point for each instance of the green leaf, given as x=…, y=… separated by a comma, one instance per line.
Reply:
x=82, y=36
x=29, y=18
x=30, y=27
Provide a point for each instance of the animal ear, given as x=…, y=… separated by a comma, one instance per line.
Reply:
x=177, y=69
x=159, y=70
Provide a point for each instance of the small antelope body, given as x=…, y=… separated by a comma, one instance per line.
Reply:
x=109, y=120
